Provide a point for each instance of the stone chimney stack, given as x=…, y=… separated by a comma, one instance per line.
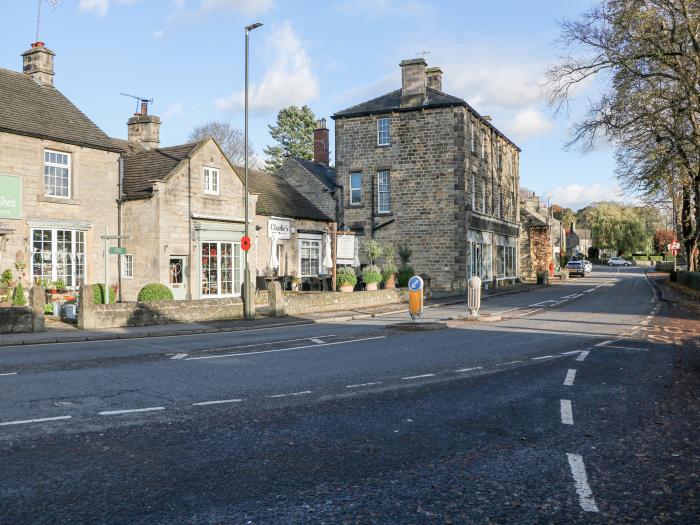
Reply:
x=434, y=78
x=144, y=129
x=321, y=143
x=413, y=82
x=38, y=63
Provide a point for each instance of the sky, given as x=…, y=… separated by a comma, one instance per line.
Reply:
x=188, y=55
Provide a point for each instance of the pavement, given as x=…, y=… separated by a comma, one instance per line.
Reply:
x=581, y=405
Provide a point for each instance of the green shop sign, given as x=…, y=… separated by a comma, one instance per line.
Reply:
x=10, y=197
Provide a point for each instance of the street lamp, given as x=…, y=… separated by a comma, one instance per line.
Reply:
x=248, y=302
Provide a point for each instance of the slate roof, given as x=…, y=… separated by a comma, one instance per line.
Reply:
x=323, y=173
x=28, y=108
x=144, y=168
x=535, y=218
x=391, y=102
x=277, y=197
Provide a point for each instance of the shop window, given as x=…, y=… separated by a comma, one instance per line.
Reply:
x=221, y=269
x=310, y=257
x=58, y=255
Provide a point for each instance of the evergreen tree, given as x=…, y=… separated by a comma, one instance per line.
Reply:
x=294, y=135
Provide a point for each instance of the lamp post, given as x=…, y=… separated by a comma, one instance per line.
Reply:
x=248, y=302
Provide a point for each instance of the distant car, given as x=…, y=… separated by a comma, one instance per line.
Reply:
x=618, y=261
x=576, y=267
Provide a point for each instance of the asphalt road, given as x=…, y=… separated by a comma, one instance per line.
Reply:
x=574, y=408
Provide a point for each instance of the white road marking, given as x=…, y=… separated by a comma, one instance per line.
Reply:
x=512, y=362
x=305, y=392
x=604, y=343
x=178, y=356
x=572, y=352
x=541, y=303
x=542, y=357
x=628, y=348
x=528, y=313
x=570, y=376
x=219, y=402
x=558, y=302
x=567, y=415
x=8, y=374
x=129, y=411
x=585, y=494
x=267, y=343
x=316, y=340
x=284, y=349
x=469, y=369
x=590, y=290
x=364, y=384
x=41, y=420
x=418, y=377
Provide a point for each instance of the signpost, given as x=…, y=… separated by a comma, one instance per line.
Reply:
x=113, y=250
x=415, y=297
x=117, y=250
x=673, y=248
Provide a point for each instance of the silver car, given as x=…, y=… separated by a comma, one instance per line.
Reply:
x=618, y=261
x=576, y=267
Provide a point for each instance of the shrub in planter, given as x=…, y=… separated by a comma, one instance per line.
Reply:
x=6, y=279
x=60, y=285
x=18, y=297
x=99, y=294
x=372, y=276
x=405, y=273
x=372, y=250
x=154, y=292
x=389, y=275
x=346, y=279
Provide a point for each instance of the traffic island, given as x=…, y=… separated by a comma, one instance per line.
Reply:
x=418, y=326
x=479, y=319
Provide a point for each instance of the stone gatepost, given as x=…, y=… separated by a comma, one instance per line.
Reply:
x=275, y=299
x=86, y=310
x=37, y=303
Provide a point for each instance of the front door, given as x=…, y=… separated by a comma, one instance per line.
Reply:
x=177, y=272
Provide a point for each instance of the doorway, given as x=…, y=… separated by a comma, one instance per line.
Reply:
x=177, y=270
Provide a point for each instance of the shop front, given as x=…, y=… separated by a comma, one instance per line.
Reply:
x=219, y=260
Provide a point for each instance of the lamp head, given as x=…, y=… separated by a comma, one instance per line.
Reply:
x=252, y=26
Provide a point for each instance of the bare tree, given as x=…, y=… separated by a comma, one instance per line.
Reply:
x=230, y=140
x=648, y=54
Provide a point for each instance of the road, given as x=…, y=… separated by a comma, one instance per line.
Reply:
x=574, y=408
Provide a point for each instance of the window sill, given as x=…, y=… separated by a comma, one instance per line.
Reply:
x=211, y=194
x=56, y=200
x=356, y=206
x=383, y=146
x=383, y=214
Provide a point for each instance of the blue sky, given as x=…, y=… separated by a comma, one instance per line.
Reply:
x=188, y=56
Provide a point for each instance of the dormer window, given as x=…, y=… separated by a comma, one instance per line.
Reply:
x=383, y=135
x=57, y=174
x=211, y=181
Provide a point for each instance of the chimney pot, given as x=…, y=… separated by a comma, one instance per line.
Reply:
x=413, y=82
x=144, y=107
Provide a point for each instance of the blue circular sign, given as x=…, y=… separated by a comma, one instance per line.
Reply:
x=415, y=283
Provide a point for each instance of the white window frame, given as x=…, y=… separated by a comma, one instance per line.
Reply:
x=211, y=181
x=483, y=144
x=74, y=254
x=128, y=266
x=317, y=241
x=236, y=276
x=57, y=165
x=384, y=134
x=383, y=189
x=497, y=205
x=354, y=202
x=473, y=135
x=483, y=196
x=473, y=192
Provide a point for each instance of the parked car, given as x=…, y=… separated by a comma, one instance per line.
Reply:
x=576, y=267
x=618, y=261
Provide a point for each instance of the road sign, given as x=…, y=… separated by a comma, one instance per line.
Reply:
x=114, y=250
x=675, y=245
x=245, y=243
x=415, y=297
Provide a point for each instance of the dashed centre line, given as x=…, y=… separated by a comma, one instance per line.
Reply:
x=469, y=369
x=8, y=374
x=604, y=343
x=570, y=376
x=417, y=377
x=583, y=355
x=360, y=385
x=129, y=411
x=290, y=394
x=583, y=489
x=40, y=420
x=218, y=402
x=567, y=414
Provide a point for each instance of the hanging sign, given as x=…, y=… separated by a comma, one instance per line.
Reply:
x=10, y=197
x=345, y=249
x=280, y=227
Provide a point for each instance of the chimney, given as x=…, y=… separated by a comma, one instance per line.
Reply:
x=38, y=64
x=321, y=143
x=144, y=129
x=413, y=82
x=434, y=78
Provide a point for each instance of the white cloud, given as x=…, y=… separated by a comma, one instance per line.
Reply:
x=244, y=6
x=288, y=81
x=174, y=110
x=577, y=196
x=158, y=33
x=529, y=123
x=101, y=7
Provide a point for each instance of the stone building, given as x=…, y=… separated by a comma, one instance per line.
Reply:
x=578, y=241
x=59, y=180
x=542, y=239
x=183, y=208
x=316, y=179
x=423, y=168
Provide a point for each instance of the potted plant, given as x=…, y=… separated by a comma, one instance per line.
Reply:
x=564, y=273
x=372, y=250
x=296, y=282
x=389, y=271
x=346, y=279
x=406, y=271
x=372, y=276
x=60, y=286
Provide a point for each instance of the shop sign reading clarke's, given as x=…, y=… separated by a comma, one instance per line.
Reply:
x=10, y=197
x=280, y=227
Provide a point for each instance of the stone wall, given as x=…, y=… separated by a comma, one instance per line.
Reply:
x=299, y=303
x=20, y=319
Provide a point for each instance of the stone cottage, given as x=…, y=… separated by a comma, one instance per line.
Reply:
x=184, y=211
x=541, y=238
x=578, y=241
x=315, y=179
x=59, y=180
x=423, y=168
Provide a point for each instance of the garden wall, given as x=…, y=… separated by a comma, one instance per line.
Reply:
x=689, y=279
x=20, y=319
x=298, y=303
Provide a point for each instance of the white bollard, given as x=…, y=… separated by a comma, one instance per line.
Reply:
x=474, y=296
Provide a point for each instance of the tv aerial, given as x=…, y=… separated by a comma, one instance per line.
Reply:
x=140, y=101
